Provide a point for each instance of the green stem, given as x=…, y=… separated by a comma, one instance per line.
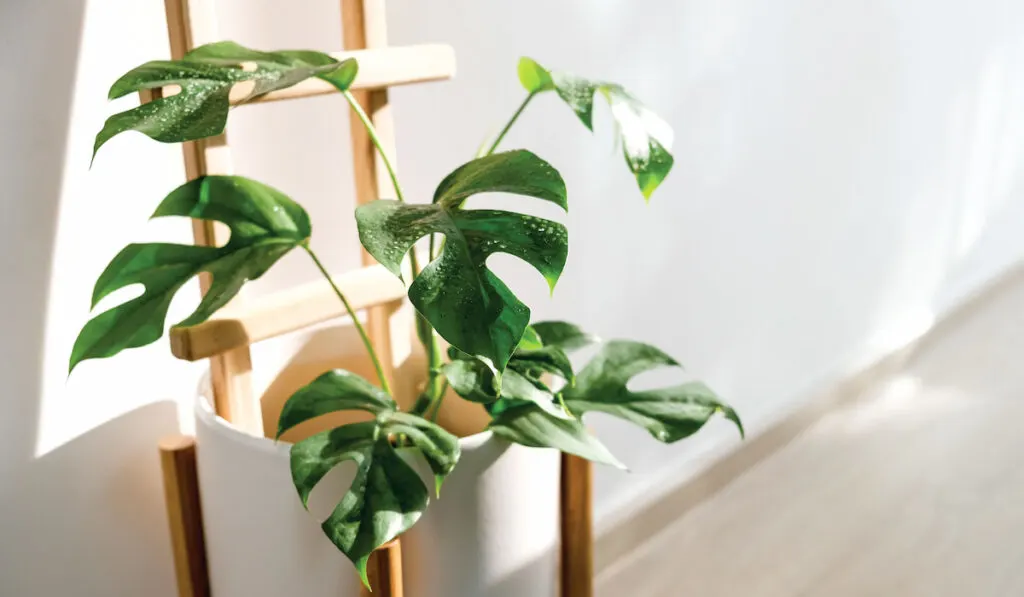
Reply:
x=509, y=124
x=425, y=331
x=355, y=320
x=372, y=132
x=433, y=392
x=437, y=403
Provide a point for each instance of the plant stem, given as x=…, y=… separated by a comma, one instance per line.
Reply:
x=355, y=320
x=372, y=132
x=509, y=124
x=494, y=146
x=423, y=328
x=437, y=403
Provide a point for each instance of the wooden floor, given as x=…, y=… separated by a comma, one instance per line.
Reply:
x=915, y=489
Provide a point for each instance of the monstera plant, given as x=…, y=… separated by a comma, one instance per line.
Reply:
x=519, y=370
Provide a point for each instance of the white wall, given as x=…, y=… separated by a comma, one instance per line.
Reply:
x=80, y=495
x=845, y=173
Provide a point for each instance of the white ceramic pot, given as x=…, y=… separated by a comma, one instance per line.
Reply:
x=260, y=542
x=494, y=531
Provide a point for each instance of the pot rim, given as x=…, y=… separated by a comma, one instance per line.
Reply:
x=204, y=412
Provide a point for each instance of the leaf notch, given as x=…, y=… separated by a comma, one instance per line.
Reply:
x=206, y=76
x=463, y=300
x=265, y=225
x=646, y=138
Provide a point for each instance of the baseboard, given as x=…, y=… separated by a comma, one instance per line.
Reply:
x=614, y=544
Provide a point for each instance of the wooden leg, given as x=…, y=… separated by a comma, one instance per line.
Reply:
x=385, y=571
x=181, y=489
x=577, y=530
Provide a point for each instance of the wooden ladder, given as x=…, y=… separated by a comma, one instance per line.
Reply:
x=225, y=339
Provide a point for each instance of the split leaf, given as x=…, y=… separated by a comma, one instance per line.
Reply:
x=646, y=138
x=463, y=300
x=332, y=391
x=264, y=223
x=386, y=497
x=473, y=380
x=669, y=414
x=528, y=425
x=206, y=76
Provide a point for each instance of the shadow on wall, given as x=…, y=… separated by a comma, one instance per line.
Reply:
x=72, y=521
x=84, y=518
x=36, y=121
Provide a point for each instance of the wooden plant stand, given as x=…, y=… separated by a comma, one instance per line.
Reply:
x=225, y=339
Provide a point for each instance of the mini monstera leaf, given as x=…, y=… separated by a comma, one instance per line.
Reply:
x=545, y=352
x=534, y=362
x=206, y=75
x=386, y=497
x=264, y=223
x=474, y=380
x=466, y=303
x=562, y=334
x=544, y=349
x=646, y=138
x=541, y=351
x=527, y=424
x=669, y=414
x=333, y=391
x=531, y=340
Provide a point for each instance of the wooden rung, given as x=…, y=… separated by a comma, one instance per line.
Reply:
x=285, y=311
x=378, y=69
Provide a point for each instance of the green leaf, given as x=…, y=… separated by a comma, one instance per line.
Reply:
x=330, y=392
x=534, y=77
x=578, y=94
x=206, y=75
x=669, y=414
x=386, y=497
x=528, y=425
x=473, y=380
x=438, y=447
x=530, y=340
x=519, y=172
x=466, y=303
x=519, y=388
x=646, y=138
x=564, y=335
x=549, y=359
x=264, y=223
x=546, y=351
